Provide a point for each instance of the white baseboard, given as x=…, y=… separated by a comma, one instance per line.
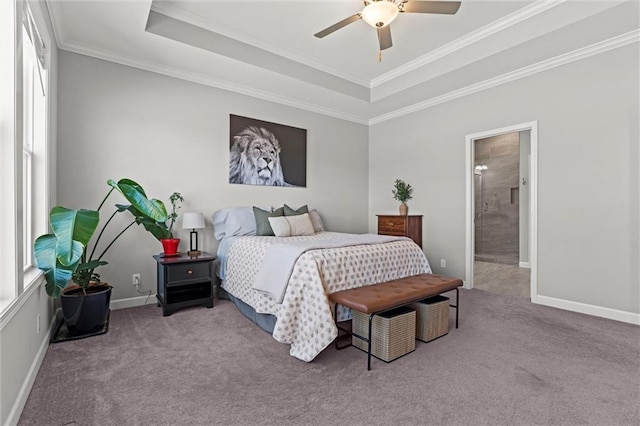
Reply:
x=583, y=308
x=25, y=390
x=524, y=265
x=133, y=302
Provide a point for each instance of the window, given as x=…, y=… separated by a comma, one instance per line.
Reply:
x=34, y=120
x=8, y=135
x=24, y=152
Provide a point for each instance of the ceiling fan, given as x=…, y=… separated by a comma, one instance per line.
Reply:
x=380, y=13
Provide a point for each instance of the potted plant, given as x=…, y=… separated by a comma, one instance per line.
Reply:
x=163, y=231
x=64, y=255
x=402, y=192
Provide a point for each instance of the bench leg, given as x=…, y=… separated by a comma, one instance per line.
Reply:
x=369, y=345
x=457, y=305
x=338, y=347
x=351, y=333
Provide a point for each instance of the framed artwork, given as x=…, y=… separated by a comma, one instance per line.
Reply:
x=264, y=153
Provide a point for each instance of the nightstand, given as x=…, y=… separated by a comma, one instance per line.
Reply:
x=401, y=226
x=184, y=281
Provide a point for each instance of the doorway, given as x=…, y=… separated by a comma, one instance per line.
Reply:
x=501, y=210
x=500, y=188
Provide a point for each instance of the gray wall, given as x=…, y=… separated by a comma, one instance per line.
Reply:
x=587, y=114
x=172, y=135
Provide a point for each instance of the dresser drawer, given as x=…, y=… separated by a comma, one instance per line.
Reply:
x=188, y=272
x=392, y=225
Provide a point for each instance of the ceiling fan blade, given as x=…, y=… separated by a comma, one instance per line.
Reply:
x=336, y=27
x=441, y=7
x=384, y=37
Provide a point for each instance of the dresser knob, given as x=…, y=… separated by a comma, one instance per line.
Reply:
x=189, y=272
x=390, y=224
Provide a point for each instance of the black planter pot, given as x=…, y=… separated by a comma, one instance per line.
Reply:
x=86, y=313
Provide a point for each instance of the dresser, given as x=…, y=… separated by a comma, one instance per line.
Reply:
x=402, y=226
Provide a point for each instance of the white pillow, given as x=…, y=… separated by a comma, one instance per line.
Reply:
x=291, y=226
x=234, y=221
x=300, y=224
x=280, y=226
x=316, y=221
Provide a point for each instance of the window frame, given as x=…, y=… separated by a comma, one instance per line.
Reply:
x=24, y=210
x=35, y=141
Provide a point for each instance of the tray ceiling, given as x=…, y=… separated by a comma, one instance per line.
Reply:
x=266, y=49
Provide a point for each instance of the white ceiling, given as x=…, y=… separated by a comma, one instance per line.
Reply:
x=267, y=49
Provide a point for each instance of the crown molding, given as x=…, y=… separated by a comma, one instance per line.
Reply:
x=560, y=60
x=557, y=61
x=55, y=12
x=181, y=14
x=525, y=13
x=494, y=27
x=118, y=58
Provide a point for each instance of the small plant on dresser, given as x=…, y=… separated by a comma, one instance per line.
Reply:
x=402, y=192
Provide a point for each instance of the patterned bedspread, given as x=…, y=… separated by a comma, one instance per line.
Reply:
x=304, y=318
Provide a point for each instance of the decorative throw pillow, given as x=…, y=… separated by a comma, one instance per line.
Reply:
x=318, y=226
x=288, y=211
x=262, y=220
x=280, y=226
x=292, y=226
x=300, y=224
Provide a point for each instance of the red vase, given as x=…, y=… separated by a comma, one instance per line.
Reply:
x=170, y=246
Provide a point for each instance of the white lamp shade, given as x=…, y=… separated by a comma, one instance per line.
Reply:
x=380, y=13
x=193, y=220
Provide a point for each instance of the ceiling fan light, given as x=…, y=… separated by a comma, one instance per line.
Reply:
x=380, y=13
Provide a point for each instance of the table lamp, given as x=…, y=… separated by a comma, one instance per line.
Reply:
x=193, y=221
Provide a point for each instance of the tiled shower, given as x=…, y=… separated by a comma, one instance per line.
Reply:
x=497, y=186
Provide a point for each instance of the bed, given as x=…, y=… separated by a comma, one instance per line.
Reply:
x=303, y=317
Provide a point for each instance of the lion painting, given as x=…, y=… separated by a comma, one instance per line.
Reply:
x=255, y=158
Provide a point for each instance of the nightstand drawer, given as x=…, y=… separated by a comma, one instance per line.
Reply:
x=188, y=272
x=392, y=225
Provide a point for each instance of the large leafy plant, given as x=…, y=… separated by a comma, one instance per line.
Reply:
x=63, y=254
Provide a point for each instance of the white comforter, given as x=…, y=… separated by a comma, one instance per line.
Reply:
x=279, y=261
x=304, y=318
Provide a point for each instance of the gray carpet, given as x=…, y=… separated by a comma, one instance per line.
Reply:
x=509, y=363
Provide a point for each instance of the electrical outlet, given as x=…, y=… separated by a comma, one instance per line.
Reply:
x=443, y=263
x=38, y=324
x=136, y=279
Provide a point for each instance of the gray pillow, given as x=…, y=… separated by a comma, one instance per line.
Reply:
x=263, y=227
x=288, y=211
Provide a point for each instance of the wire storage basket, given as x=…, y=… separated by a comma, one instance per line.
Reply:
x=432, y=318
x=394, y=332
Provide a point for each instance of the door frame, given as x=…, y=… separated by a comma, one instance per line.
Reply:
x=532, y=127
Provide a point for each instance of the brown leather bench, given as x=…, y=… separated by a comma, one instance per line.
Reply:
x=378, y=298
